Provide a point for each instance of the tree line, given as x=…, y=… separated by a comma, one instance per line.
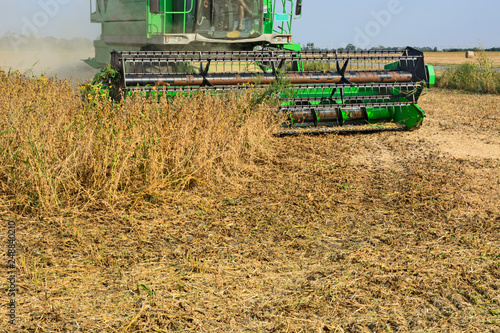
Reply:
x=351, y=47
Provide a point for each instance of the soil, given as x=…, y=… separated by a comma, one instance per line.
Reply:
x=462, y=129
x=391, y=231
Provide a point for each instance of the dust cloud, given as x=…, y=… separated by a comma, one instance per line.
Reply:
x=48, y=56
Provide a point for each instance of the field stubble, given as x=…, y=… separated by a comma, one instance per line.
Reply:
x=457, y=58
x=192, y=216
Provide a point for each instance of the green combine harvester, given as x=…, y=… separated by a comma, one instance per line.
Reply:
x=221, y=45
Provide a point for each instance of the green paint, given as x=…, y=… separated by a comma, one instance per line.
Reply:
x=432, y=75
x=131, y=25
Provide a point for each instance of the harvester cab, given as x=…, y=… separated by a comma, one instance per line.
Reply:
x=194, y=25
x=186, y=46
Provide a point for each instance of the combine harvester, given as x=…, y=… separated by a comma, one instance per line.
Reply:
x=221, y=45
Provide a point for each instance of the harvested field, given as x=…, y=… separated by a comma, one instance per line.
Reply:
x=247, y=232
x=457, y=58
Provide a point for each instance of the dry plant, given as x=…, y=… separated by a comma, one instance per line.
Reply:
x=480, y=78
x=456, y=58
x=60, y=152
x=188, y=215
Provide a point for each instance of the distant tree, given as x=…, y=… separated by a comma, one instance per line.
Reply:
x=380, y=47
x=424, y=49
x=309, y=47
x=350, y=47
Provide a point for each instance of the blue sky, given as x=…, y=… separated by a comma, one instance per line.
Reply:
x=327, y=23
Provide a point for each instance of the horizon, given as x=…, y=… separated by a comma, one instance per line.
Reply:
x=392, y=23
x=10, y=34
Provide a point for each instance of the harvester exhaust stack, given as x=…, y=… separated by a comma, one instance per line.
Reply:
x=329, y=90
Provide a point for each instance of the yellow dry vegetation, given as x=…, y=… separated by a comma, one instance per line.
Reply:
x=457, y=58
x=190, y=215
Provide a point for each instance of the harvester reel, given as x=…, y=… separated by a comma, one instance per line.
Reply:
x=366, y=88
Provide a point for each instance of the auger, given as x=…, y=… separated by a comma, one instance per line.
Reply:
x=220, y=45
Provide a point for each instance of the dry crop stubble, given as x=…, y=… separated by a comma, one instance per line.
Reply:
x=60, y=153
x=457, y=58
x=355, y=233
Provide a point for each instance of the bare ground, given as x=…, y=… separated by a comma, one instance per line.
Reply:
x=348, y=233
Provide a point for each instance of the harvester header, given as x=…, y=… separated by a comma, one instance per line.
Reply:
x=177, y=46
x=327, y=89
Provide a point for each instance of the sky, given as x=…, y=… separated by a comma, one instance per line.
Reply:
x=326, y=23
